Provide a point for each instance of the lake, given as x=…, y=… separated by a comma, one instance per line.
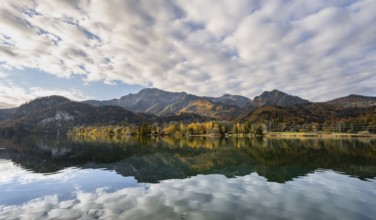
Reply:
x=187, y=178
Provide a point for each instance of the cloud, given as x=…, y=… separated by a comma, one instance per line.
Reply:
x=204, y=47
x=317, y=195
x=3, y=75
x=13, y=94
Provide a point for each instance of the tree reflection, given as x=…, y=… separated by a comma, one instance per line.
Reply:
x=151, y=159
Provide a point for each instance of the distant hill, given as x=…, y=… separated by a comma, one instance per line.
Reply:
x=321, y=113
x=276, y=97
x=295, y=114
x=56, y=114
x=40, y=104
x=354, y=101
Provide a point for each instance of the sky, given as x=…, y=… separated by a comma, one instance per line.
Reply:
x=96, y=49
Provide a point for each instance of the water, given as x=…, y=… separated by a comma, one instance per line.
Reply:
x=196, y=178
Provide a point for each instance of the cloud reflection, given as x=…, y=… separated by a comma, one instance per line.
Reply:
x=320, y=195
x=19, y=186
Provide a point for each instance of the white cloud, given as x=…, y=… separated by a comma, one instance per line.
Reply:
x=13, y=95
x=3, y=75
x=204, y=47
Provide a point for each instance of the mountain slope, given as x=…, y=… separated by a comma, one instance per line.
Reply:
x=276, y=97
x=204, y=107
x=56, y=114
x=150, y=101
x=354, y=101
x=321, y=113
x=162, y=103
x=40, y=104
x=235, y=100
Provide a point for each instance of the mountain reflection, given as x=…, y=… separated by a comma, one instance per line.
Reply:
x=152, y=159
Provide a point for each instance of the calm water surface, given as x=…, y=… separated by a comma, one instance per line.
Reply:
x=195, y=178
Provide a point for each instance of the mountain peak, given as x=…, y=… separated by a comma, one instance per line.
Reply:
x=228, y=99
x=226, y=95
x=47, y=101
x=154, y=92
x=147, y=90
x=276, y=90
x=273, y=92
x=354, y=100
x=148, y=100
x=41, y=103
x=276, y=97
x=359, y=96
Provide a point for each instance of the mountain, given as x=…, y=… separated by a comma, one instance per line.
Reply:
x=230, y=107
x=235, y=100
x=40, y=104
x=56, y=114
x=354, y=101
x=150, y=101
x=295, y=114
x=321, y=113
x=226, y=107
x=276, y=97
x=162, y=103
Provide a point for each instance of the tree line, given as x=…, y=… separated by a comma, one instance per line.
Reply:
x=219, y=128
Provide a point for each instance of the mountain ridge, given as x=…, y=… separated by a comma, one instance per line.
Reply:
x=57, y=113
x=163, y=103
x=159, y=102
x=354, y=100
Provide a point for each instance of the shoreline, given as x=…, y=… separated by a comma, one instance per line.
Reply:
x=267, y=135
x=295, y=134
x=320, y=135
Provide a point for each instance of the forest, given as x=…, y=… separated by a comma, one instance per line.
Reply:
x=221, y=128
